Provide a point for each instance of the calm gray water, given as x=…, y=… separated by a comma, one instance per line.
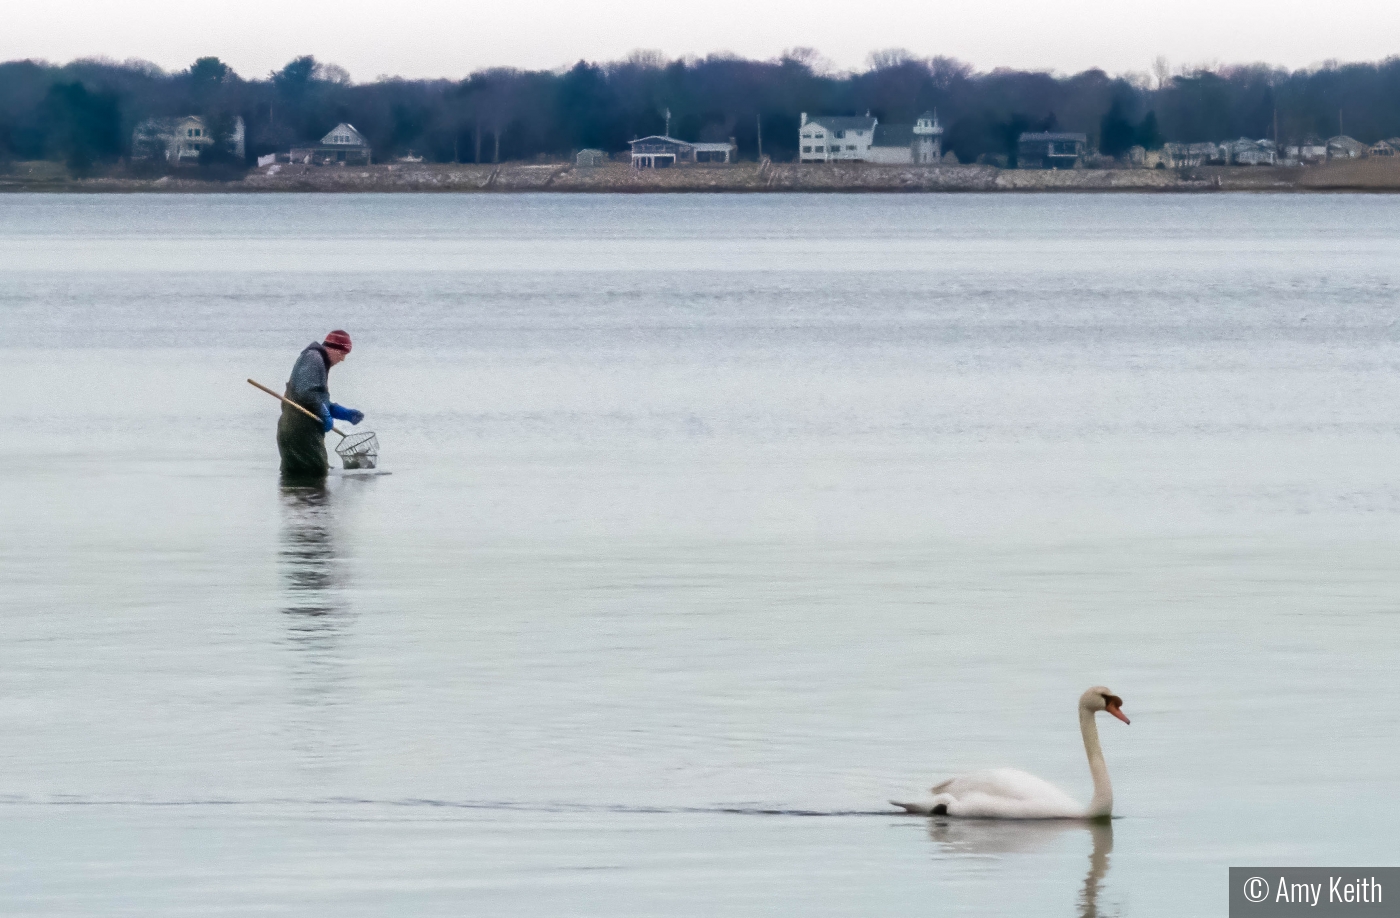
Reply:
x=714, y=522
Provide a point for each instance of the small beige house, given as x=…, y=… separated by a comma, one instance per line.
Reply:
x=343, y=145
x=1344, y=147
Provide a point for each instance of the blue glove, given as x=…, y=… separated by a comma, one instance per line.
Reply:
x=327, y=422
x=341, y=413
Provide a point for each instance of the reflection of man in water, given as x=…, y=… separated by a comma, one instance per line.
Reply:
x=317, y=618
x=300, y=440
x=307, y=553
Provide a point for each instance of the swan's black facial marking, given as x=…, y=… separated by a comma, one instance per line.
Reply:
x=940, y=810
x=1114, y=705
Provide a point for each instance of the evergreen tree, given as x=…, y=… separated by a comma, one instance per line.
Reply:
x=1148, y=134
x=1116, y=133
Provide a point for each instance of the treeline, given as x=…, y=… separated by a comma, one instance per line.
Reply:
x=84, y=112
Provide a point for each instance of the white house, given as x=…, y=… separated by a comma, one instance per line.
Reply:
x=827, y=139
x=181, y=140
x=1191, y=154
x=1246, y=152
x=1312, y=150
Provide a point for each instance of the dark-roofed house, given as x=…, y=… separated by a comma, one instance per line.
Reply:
x=920, y=142
x=1051, y=150
x=661, y=152
x=343, y=144
x=893, y=143
x=835, y=138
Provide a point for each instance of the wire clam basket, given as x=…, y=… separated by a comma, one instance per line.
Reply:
x=358, y=451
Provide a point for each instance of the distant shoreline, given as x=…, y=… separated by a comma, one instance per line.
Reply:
x=1366, y=175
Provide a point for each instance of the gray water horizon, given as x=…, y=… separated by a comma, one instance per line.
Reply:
x=714, y=523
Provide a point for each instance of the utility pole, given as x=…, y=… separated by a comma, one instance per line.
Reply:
x=759, y=118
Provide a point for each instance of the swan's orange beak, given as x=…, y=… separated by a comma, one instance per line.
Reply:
x=1115, y=707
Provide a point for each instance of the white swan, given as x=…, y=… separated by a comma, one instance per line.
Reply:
x=1007, y=793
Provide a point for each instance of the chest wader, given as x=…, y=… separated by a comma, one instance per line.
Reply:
x=302, y=444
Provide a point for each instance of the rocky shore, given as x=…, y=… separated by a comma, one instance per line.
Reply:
x=1361, y=175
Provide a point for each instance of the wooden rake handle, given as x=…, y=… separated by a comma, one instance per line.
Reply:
x=280, y=397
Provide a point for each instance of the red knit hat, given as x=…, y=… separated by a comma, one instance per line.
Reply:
x=338, y=340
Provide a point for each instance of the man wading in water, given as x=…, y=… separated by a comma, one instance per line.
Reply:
x=300, y=440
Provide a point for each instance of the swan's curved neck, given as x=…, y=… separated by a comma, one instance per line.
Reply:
x=1102, y=804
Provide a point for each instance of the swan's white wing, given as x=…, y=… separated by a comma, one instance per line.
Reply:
x=1011, y=783
x=986, y=806
x=1002, y=793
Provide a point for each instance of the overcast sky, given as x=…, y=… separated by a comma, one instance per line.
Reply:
x=451, y=39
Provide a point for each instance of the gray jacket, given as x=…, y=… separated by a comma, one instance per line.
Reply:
x=310, y=382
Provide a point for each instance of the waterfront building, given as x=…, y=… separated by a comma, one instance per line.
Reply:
x=1051, y=150
x=181, y=140
x=893, y=144
x=1246, y=152
x=919, y=143
x=343, y=145
x=589, y=157
x=1344, y=147
x=660, y=151
x=1385, y=147
x=828, y=139
x=1190, y=154
x=1144, y=158
x=1313, y=149
x=928, y=139
x=840, y=138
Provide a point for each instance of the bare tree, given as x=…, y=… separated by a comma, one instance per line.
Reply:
x=890, y=57
x=1162, y=72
